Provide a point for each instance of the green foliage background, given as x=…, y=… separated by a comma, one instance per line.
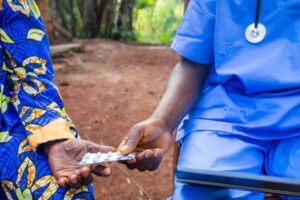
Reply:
x=153, y=21
x=156, y=21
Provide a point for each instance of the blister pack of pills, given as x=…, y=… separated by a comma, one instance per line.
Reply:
x=97, y=158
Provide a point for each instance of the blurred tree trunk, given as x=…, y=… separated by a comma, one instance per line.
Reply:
x=126, y=14
x=60, y=11
x=48, y=17
x=102, y=6
x=73, y=17
x=125, y=19
x=43, y=6
x=79, y=5
x=109, y=18
x=90, y=18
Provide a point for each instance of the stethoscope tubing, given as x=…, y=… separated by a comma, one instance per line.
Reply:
x=258, y=10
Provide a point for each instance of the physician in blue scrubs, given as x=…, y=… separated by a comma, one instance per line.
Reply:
x=236, y=92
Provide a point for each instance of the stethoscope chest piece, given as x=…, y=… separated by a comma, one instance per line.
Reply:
x=255, y=34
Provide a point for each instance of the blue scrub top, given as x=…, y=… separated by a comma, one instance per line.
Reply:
x=253, y=89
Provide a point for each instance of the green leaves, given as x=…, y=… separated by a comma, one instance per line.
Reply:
x=154, y=21
x=140, y=4
x=158, y=22
x=36, y=34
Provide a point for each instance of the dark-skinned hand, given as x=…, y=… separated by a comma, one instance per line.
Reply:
x=64, y=157
x=151, y=139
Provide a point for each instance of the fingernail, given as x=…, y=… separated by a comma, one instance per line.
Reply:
x=157, y=154
x=62, y=182
x=148, y=155
x=124, y=148
x=107, y=171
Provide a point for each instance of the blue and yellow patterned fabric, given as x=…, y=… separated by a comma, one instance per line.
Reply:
x=28, y=92
x=31, y=109
x=26, y=175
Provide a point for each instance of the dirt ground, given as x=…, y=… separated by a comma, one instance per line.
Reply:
x=107, y=88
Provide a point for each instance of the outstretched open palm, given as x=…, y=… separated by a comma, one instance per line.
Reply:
x=64, y=158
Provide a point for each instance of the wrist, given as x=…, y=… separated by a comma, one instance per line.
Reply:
x=166, y=122
x=49, y=145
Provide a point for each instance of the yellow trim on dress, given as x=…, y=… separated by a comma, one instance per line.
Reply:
x=55, y=130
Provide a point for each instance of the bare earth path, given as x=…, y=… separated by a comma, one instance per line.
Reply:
x=107, y=88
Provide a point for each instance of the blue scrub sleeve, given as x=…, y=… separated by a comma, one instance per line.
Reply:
x=194, y=39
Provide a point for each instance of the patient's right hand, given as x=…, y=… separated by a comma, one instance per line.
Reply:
x=152, y=138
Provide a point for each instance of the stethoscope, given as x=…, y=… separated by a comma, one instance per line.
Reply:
x=256, y=32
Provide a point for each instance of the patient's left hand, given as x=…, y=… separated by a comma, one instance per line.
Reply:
x=64, y=157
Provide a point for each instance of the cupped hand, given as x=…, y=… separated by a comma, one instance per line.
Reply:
x=64, y=157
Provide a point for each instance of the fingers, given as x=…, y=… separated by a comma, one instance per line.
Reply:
x=100, y=170
x=159, y=156
x=86, y=175
x=74, y=181
x=65, y=164
x=76, y=178
x=147, y=160
x=129, y=144
x=62, y=182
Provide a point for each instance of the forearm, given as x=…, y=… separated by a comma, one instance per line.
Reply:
x=186, y=3
x=183, y=90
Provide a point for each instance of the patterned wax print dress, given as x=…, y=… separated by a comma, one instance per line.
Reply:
x=32, y=111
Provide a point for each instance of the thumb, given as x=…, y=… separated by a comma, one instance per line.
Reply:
x=132, y=140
